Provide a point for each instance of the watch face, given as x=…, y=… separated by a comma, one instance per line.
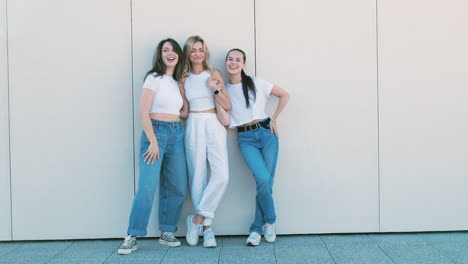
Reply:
x=216, y=92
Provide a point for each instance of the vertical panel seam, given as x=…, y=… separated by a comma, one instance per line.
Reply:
x=9, y=121
x=378, y=109
x=255, y=36
x=133, y=96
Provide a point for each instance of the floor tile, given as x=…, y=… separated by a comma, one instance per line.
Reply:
x=298, y=241
x=312, y=254
x=415, y=253
x=197, y=254
x=359, y=253
x=406, y=239
x=247, y=255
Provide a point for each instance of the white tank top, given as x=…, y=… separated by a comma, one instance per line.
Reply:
x=199, y=96
x=167, y=98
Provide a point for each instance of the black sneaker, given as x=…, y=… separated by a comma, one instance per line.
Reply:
x=168, y=239
x=128, y=246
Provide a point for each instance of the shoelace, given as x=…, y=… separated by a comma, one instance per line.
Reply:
x=127, y=241
x=169, y=236
x=268, y=228
x=209, y=234
x=253, y=236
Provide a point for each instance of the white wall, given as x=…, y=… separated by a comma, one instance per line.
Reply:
x=324, y=53
x=5, y=216
x=221, y=31
x=372, y=139
x=423, y=80
x=71, y=118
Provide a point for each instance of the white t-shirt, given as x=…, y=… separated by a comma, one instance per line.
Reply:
x=240, y=114
x=167, y=98
x=199, y=96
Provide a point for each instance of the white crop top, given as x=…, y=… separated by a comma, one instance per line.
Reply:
x=199, y=96
x=167, y=98
x=240, y=114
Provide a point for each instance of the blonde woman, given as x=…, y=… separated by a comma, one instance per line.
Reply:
x=205, y=138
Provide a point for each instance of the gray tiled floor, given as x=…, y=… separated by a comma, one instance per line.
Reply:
x=437, y=248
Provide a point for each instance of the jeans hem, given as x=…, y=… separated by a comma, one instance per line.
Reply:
x=136, y=232
x=168, y=228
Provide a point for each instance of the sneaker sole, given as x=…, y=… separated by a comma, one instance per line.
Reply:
x=171, y=244
x=271, y=240
x=250, y=244
x=210, y=245
x=126, y=251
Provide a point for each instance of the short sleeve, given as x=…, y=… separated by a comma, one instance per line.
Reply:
x=151, y=83
x=264, y=85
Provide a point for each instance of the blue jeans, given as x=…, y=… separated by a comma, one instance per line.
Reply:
x=260, y=151
x=171, y=173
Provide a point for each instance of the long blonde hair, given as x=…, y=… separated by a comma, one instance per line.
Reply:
x=188, y=49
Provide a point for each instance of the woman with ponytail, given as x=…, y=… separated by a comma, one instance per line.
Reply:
x=257, y=138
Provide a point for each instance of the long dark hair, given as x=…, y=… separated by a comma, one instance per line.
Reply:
x=247, y=82
x=158, y=64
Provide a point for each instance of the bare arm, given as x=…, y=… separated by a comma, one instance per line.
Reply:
x=283, y=100
x=216, y=82
x=223, y=116
x=145, y=104
x=185, y=108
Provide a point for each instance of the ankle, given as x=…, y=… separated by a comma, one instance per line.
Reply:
x=198, y=219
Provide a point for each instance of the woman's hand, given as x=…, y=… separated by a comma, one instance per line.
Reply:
x=152, y=153
x=274, y=128
x=213, y=83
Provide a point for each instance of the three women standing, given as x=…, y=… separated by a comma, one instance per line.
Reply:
x=202, y=98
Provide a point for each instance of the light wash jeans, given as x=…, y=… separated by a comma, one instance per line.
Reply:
x=260, y=151
x=171, y=173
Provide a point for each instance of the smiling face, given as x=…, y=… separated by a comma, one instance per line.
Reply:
x=197, y=53
x=235, y=62
x=169, y=56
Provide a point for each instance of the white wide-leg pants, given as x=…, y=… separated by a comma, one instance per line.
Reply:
x=205, y=139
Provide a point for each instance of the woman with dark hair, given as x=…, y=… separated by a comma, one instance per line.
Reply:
x=257, y=138
x=207, y=102
x=162, y=156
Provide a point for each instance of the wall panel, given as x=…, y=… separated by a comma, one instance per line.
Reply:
x=5, y=216
x=423, y=76
x=71, y=118
x=324, y=53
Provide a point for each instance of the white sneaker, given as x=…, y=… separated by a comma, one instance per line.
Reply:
x=270, y=234
x=253, y=239
x=128, y=246
x=209, y=240
x=193, y=231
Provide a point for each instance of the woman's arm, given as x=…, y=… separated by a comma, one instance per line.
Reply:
x=145, y=104
x=223, y=115
x=283, y=100
x=216, y=82
x=185, y=108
